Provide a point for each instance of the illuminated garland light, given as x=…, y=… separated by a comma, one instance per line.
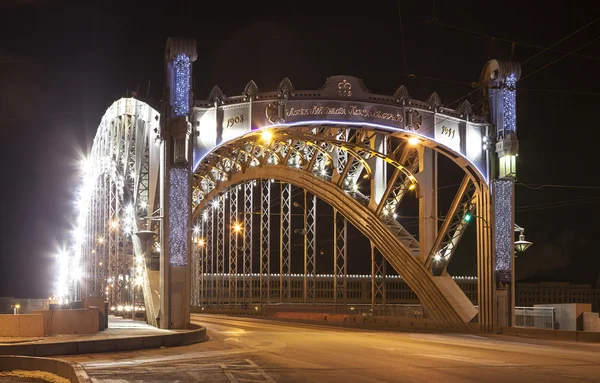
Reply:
x=504, y=232
x=509, y=98
x=178, y=214
x=182, y=85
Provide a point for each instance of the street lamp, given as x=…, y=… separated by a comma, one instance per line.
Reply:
x=237, y=227
x=521, y=245
x=16, y=308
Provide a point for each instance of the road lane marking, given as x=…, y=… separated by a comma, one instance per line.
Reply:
x=485, y=362
x=250, y=372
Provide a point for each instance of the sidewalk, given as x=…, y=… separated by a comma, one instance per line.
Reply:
x=117, y=328
x=121, y=335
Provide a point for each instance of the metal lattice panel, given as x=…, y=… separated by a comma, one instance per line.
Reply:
x=454, y=225
x=202, y=263
x=210, y=269
x=310, y=246
x=340, y=284
x=285, y=254
x=220, y=249
x=378, y=273
x=233, y=245
x=400, y=184
x=265, y=241
x=248, y=212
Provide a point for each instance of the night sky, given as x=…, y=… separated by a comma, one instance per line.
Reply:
x=63, y=63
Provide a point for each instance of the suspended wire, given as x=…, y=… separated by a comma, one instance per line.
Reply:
x=559, y=204
x=561, y=57
x=508, y=40
x=560, y=41
x=541, y=186
x=402, y=39
x=561, y=91
x=471, y=84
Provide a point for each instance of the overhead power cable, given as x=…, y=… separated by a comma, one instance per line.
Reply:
x=561, y=57
x=508, y=40
x=541, y=186
x=561, y=40
x=402, y=39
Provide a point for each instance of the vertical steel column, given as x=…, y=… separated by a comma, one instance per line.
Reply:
x=248, y=209
x=193, y=270
x=94, y=244
x=202, y=260
x=265, y=241
x=233, y=246
x=210, y=266
x=340, y=271
x=89, y=252
x=197, y=244
x=377, y=283
x=113, y=262
x=220, y=249
x=102, y=238
x=428, y=200
x=486, y=285
x=285, y=265
x=310, y=246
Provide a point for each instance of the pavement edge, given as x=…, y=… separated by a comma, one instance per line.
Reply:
x=195, y=334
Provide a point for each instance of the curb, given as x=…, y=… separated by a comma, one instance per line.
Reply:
x=196, y=334
x=63, y=368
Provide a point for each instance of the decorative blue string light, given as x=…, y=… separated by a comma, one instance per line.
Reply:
x=509, y=96
x=178, y=216
x=182, y=85
x=504, y=232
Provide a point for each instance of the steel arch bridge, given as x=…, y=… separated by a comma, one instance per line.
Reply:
x=187, y=205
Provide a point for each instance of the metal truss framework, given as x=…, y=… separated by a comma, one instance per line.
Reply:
x=310, y=246
x=340, y=260
x=233, y=245
x=265, y=241
x=248, y=215
x=334, y=163
x=114, y=195
x=285, y=237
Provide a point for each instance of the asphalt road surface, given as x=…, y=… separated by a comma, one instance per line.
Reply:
x=258, y=350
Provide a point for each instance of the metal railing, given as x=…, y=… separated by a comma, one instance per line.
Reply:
x=390, y=310
x=535, y=317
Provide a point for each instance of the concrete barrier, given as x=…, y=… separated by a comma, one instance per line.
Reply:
x=76, y=321
x=358, y=320
x=568, y=335
x=196, y=334
x=63, y=368
x=21, y=325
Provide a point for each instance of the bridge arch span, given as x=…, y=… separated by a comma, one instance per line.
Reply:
x=320, y=159
x=414, y=273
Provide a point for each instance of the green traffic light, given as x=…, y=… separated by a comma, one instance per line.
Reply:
x=468, y=217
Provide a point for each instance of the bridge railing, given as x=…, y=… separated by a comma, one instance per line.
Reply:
x=535, y=317
x=392, y=310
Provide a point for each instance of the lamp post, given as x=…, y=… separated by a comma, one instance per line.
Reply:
x=520, y=246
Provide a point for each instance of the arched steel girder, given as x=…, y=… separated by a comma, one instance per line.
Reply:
x=359, y=136
x=416, y=275
x=281, y=143
x=277, y=146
